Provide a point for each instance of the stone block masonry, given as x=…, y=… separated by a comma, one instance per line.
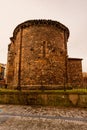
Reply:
x=37, y=56
x=75, y=77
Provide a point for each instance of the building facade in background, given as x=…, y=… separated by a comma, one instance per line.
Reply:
x=2, y=71
x=2, y=74
x=37, y=57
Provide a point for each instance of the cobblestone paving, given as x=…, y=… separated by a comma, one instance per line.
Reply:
x=14, y=117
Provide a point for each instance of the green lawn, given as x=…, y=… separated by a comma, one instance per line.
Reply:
x=46, y=91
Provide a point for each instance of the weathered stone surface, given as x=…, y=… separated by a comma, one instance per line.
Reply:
x=74, y=98
x=85, y=79
x=37, y=56
x=75, y=78
x=44, y=98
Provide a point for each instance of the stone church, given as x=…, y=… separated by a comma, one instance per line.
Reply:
x=38, y=58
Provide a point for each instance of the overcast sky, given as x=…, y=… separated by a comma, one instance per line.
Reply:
x=71, y=13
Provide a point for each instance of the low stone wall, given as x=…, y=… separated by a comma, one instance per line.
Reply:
x=65, y=99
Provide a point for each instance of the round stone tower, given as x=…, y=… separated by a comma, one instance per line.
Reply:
x=37, y=55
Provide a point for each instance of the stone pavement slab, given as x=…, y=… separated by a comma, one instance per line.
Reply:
x=13, y=117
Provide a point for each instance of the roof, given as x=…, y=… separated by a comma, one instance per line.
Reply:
x=39, y=22
x=75, y=59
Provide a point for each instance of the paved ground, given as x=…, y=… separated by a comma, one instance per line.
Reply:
x=42, y=118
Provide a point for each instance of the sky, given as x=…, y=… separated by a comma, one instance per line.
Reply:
x=71, y=13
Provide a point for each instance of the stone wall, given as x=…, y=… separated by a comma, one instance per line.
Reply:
x=85, y=79
x=48, y=98
x=43, y=56
x=75, y=78
x=10, y=64
x=37, y=55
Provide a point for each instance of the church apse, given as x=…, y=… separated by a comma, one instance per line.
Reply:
x=39, y=49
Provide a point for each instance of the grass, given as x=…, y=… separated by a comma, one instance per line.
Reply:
x=45, y=91
x=58, y=91
x=7, y=90
x=77, y=90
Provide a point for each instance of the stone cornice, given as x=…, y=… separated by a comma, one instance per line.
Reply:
x=75, y=59
x=40, y=22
